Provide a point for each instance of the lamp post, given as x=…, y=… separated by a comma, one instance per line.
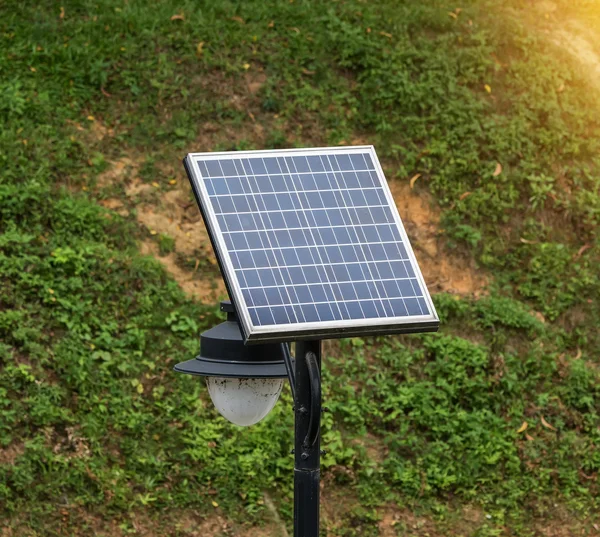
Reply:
x=244, y=383
x=311, y=246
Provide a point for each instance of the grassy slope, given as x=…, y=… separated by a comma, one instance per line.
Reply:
x=92, y=420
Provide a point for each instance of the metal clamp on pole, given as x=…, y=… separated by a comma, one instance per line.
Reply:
x=314, y=423
x=290, y=366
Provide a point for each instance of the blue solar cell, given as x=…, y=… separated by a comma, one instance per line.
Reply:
x=284, y=202
x=280, y=315
x=341, y=235
x=346, y=180
x=358, y=161
x=370, y=309
x=307, y=256
x=259, y=297
x=371, y=197
x=254, y=166
x=352, y=272
x=344, y=162
x=293, y=220
x=263, y=316
x=296, y=275
x=399, y=307
x=234, y=185
x=297, y=164
x=214, y=168
x=325, y=312
x=290, y=257
x=252, y=278
x=366, y=179
x=354, y=310
x=423, y=305
x=298, y=237
x=310, y=238
x=342, y=273
x=321, y=221
x=322, y=182
x=309, y=313
x=274, y=296
x=412, y=306
x=337, y=217
x=238, y=241
x=349, y=254
x=227, y=167
x=347, y=291
x=315, y=163
x=272, y=165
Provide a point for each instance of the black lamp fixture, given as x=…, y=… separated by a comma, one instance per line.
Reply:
x=244, y=381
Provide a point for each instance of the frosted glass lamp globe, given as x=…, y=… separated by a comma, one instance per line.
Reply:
x=244, y=401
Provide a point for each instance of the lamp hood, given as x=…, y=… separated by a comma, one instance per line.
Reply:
x=223, y=354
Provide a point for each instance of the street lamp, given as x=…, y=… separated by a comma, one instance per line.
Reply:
x=244, y=383
x=311, y=247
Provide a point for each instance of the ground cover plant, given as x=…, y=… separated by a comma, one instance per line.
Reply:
x=482, y=112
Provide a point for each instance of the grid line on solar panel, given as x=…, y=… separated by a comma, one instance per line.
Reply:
x=245, y=166
x=309, y=228
x=250, y=287
x=309, y=266
x=326, y=302
x=245, y=190
x=215, y=195
x=305, y=246
x=295, y=210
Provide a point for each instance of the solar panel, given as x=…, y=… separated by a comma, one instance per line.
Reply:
x=310, y=243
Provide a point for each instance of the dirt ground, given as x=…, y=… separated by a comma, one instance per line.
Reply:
x=443, y=270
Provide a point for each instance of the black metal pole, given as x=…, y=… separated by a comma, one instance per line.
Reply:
x=307, y=439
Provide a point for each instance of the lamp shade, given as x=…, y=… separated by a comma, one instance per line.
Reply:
x=244, y=381
x=223, y=354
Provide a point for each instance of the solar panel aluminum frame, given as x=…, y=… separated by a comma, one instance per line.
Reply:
x=307, y=330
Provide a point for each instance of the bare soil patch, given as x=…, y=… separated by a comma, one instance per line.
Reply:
x=580, y=42
x=205, y=290
x=10, y=454
x=115, y=204
x=444, y=271
x=277, y=527
x=95, y=131
x=395, y=521
x=270, y=530
x=119, y=171
x=171, y=213
x=376, y=450
x=176, y=215
x=336, y=504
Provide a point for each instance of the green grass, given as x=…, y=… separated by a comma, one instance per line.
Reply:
x=89, y=330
